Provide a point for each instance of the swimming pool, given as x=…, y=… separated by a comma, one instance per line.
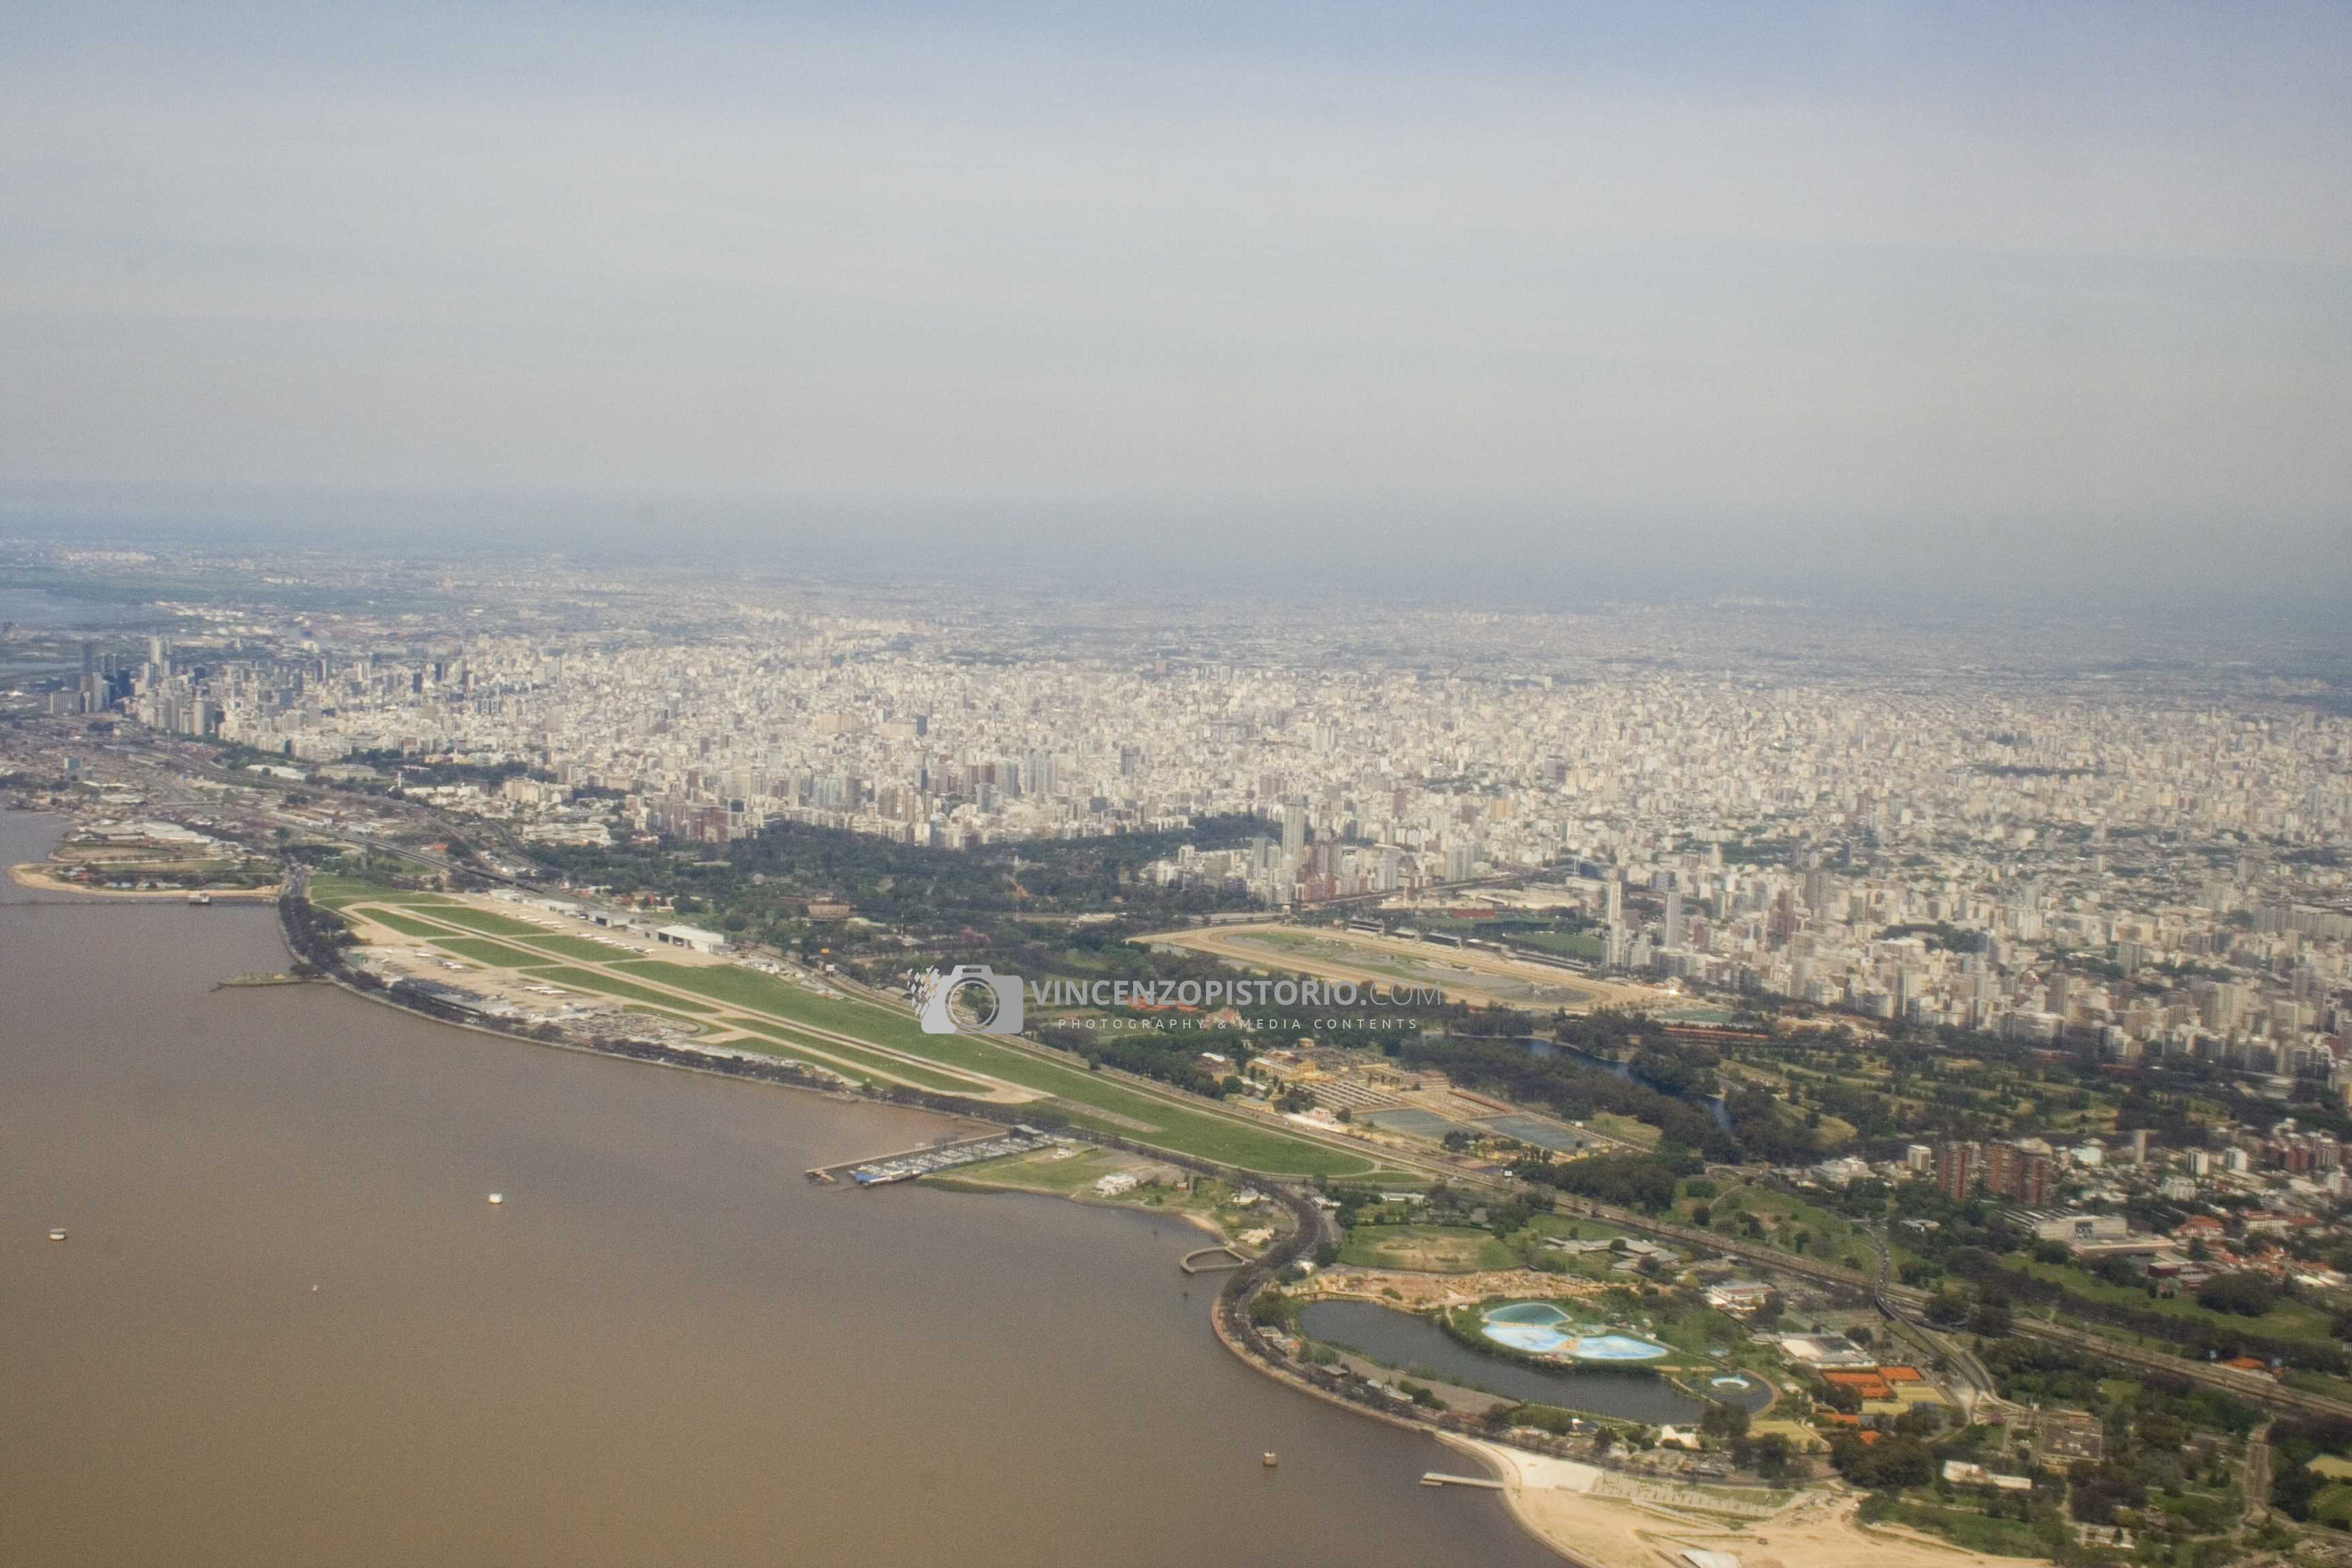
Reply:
x=1536, y=1329
x=1542, y=1312
x=1619, y=1348
x=1532, y=1338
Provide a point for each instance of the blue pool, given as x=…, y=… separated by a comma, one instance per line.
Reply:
x=1621, y=1348
x=1538, y=1328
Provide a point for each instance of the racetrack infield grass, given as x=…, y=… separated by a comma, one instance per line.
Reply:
x=1125, y=1111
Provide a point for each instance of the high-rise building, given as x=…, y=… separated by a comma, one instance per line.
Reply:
x=1959, y=1166
x=2019, y=1170
x=93, y=680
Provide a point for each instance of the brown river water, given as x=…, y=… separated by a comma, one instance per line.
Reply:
x=287, y=1327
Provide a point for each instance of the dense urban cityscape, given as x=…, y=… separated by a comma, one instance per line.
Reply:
x=2138, y=866
x=1857, y=1038
x=1026, y=786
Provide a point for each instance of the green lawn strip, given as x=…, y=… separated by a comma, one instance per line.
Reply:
x=482, y=950
x=578, y=947
x=1568, y=944
x=1175, y=1126
x=927, y=1076
x=401, y=923
x=490, y=924
x=586, y=980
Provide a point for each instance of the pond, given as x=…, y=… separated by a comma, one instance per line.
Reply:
x=1403, y=1340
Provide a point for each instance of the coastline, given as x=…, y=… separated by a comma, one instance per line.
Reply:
x=1583, y=1529
x=31, y=874
x=1598, y=1521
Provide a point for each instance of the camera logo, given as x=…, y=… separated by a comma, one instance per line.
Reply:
x=992, y=1001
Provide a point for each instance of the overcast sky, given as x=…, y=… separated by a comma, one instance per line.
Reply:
x=1795, y=284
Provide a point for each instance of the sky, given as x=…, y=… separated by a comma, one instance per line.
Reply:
x=2053, y=296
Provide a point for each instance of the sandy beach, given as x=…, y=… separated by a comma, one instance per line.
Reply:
x=1604, y=1519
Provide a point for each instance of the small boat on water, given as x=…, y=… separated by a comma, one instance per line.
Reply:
x=1269, y=1460
x=497, y=1199
x=56, y=1233
x=200, y=899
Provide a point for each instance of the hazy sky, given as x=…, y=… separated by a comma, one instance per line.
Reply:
x=1793, y=283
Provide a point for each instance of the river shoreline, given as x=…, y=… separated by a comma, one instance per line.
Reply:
x=1563, y=1519
x=32, y=874
x=1228, y=1305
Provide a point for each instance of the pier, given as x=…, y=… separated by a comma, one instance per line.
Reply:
x=1209, y=1259
x=1439, y=1479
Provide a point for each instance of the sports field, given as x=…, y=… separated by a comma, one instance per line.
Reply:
x=1462, y=975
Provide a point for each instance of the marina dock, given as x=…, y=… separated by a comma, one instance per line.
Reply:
x=881, y=1170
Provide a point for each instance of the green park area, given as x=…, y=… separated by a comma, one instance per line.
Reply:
x=2287, y=1318
x=1426, y=1248
x=1065, y=1170
x=1778, y=1218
